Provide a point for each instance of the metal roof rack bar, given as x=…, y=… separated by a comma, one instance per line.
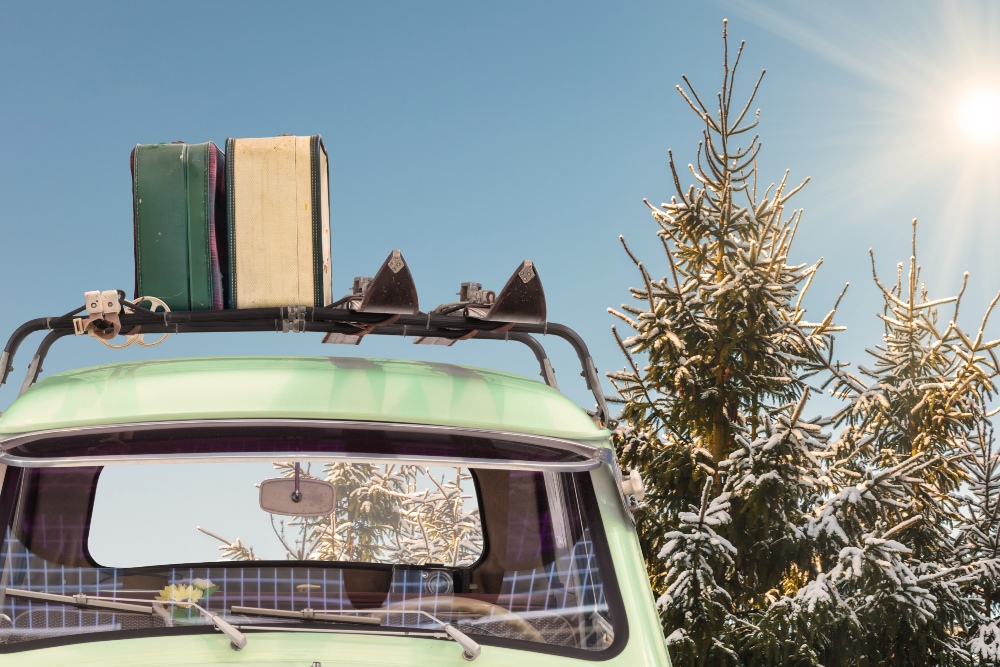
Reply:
x=324, y=320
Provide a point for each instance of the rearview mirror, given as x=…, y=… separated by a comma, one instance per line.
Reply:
x=313, y=497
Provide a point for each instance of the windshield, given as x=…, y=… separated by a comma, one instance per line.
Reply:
x=507, y=556
x=389, y=514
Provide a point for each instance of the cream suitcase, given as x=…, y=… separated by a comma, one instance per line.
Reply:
x=279, y=222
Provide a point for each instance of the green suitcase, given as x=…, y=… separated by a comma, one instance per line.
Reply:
x=178, y=197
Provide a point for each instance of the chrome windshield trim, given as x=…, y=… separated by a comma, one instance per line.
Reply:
x=593, y=454
x=452, y=461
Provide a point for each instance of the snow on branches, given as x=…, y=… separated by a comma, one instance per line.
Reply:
x=715, y=385
x=870, y=536
x=916, y=426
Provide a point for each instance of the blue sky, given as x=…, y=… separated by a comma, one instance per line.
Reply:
x=474, y=135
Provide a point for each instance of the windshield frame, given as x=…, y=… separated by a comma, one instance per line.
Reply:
x=590, y=509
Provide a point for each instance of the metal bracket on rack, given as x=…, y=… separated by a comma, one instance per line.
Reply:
x=294, y=320
x=103, y=309
x=390, y=292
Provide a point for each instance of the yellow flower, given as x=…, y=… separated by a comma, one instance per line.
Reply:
x=179, y=593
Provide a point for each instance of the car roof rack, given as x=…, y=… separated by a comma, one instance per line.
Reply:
x=346, y=320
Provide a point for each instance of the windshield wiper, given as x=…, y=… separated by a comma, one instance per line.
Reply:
x=306, y=614
x=237, y=640
x=80, y=600
x=470, y=647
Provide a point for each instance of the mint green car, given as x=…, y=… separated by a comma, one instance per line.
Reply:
x=314, y=511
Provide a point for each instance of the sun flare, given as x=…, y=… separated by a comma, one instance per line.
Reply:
x=918, y=126
x=978, y=114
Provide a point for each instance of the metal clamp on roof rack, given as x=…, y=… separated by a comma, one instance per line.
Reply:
x=102, y=314
x=392, y=292
x=522, y=300
x=294, y=320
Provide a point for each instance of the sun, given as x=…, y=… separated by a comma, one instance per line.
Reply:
x=978, y=114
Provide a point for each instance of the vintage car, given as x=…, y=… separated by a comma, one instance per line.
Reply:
x=314, y=510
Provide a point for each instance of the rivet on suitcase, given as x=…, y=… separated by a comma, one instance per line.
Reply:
x=179, y=201
x=279, y=222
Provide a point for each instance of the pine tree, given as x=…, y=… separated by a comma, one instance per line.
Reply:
x=980, y=541
x=920, y=410
x=903, y=568
x=714, y=391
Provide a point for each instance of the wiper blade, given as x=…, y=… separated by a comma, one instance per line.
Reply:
x=236, y=638
x=470, y=647
x=306, y=614
x=80, y=600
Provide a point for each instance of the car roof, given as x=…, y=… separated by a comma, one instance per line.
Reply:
x=334, y=388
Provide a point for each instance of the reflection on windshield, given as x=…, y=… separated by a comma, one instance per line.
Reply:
x=382, y=514
x=498, y=554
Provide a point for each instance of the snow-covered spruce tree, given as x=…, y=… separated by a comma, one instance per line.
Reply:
x=895, y=545
x=714, y=391
x=980, y=540
x=812, y=621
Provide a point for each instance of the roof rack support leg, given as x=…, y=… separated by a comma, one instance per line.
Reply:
x=547, y=373
x=22, y=332
x=589, y=369
x=32, y=375
x=35, y=367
